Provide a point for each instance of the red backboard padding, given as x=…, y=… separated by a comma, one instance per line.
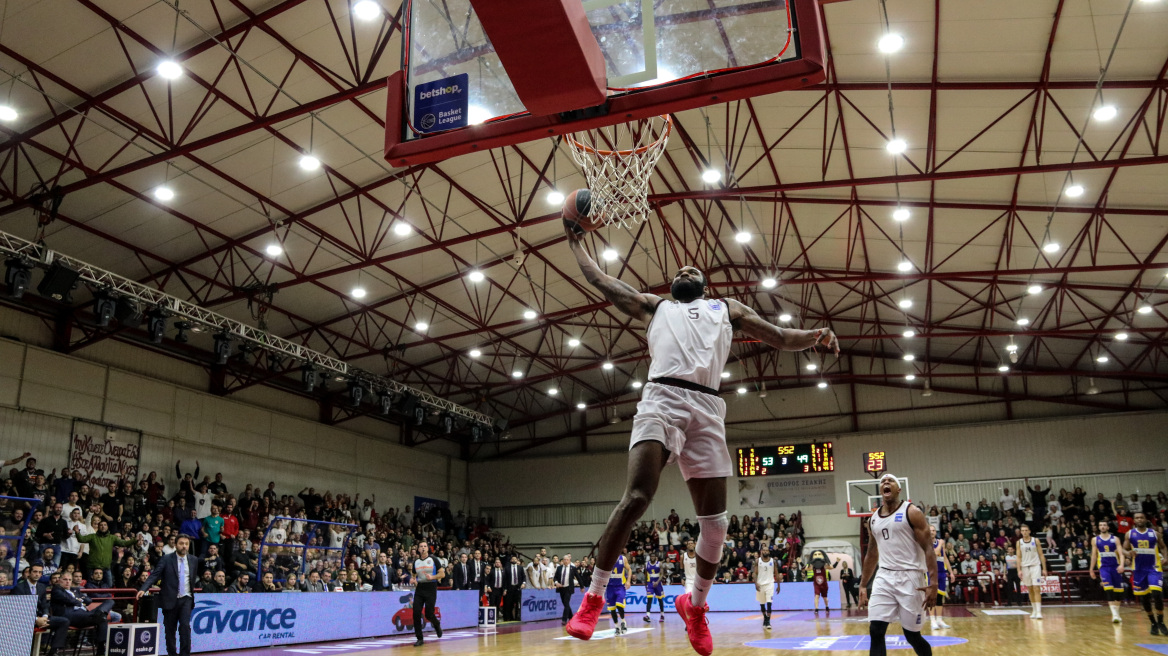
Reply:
x=548, y=52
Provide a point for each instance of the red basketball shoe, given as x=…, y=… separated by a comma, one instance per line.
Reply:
x=696, y=624
x=583, y=623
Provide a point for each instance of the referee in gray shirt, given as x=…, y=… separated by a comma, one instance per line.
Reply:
x=427, y=574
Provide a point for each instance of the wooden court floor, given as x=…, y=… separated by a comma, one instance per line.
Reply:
x=1069, y=630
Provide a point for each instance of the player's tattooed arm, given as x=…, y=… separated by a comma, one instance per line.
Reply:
x=744, y=318
x=636, y=304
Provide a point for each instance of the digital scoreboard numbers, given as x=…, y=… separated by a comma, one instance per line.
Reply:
x=875, y=462
x=786, y=459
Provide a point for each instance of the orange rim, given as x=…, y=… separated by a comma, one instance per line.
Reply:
x=624, y=153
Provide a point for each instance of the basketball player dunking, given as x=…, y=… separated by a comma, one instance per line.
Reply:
x=1145, y=542
x=1032, y=569
x=681, y=417
x=1107, y=555
x=766, y=584
x=905, y=588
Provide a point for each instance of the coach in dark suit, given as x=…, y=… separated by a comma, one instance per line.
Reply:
x=383, y=574
x=175, y=575
x=461, y=574
x=73, y=607
x=565, y=582
x=58, y=626
x=513, y=580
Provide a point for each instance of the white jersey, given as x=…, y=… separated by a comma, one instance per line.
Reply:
x=896, y=541
x=690, y=341
x=690, y=565
x=1028, y=553
x=424, y=570
x=766, y=572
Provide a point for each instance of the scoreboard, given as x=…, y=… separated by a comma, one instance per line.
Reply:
x=786, y=459
x=875, y=462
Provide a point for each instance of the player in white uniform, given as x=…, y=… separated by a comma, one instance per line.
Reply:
x=905, y=588
x=765, y=584
x=689, y=565
x=1031, y=569
x=680, y=418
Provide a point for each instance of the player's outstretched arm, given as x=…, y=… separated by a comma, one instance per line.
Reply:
x=637, y=305
x=744, y=318
x=920, y=527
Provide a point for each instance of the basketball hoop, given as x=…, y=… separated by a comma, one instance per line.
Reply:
x=617, y=161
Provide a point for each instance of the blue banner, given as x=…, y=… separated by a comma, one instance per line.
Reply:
x=442, y=104
x=241, y=621
x=425, y=504
x=545, y=604
x=17, y=616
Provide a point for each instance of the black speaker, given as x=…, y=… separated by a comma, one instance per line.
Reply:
x=58, y=282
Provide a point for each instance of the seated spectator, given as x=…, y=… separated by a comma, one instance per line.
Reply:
x=242, y=584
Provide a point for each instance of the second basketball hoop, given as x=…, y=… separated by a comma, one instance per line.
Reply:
x=618, y=161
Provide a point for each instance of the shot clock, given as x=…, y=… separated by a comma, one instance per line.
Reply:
x=875, y=463
x=806, y=458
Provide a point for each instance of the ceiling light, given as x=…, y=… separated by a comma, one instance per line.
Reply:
x=909, y=357
x=8, y=113
x=901, y=213
x=769, y=283
x=474, y=353
x=476, y=115
x=811, y=366
x=910, y=376
x=169, y=69
x=309, y=163
x=928, y=390
x=1023, y=321
x=1003, y=368
x=904, y=266
x=725, y=374
x=1103, y=359
x=573, y=342
x=822, y=384
x=367, y=10
x=909, y=333
x=529, y=314
x=517, y=374
x=421, y=326
x=742, y=237
x=896, y=146
x=274, y=250
x=1091, y=389
x=742, y=390
x=401, y=229
x=890, y=43
x=607, y=366
x=1074, y=191
x=476, y=276
x=1145, y=309
x=1034, y=289
x=784, y=317
x=905, y=303
x=555, y=197
x=357, y=292
x=581, y=406
x=711, y=176
x=553, y=391
x=1011, y=348
x=637, y=384
x=1121, y=336
x=609, y=255
x=1105, y=113
x=1051, y=247
x=163, y=193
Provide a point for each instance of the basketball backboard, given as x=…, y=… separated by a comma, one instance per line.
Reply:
x=660, y=56
x=864, y=495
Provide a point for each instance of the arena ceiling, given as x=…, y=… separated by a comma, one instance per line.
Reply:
x=994, y=100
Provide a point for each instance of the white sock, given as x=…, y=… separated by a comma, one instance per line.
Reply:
x=700, y=589
x=600, y=579
x=1114, y=611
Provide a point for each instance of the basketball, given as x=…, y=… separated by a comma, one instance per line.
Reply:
x=577, y=207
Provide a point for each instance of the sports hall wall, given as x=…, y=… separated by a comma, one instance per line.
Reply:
x=254, y=436
x=1040, y=447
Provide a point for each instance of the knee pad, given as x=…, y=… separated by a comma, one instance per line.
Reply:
x=712, y=536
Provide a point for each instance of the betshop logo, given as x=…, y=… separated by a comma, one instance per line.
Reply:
x=206, y=618
x=440, y=91
x=541, y=605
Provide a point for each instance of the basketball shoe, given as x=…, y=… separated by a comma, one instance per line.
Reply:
x=696, y=625
x=583, y=623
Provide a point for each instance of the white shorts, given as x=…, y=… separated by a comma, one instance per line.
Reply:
x=895, y=598
x=1031, y=575
x=690, y=424
x=765, y=593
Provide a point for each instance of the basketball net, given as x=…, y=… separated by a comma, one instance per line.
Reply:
x=617, y=161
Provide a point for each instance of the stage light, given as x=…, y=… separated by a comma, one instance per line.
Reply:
x=17, y=276
x=156, y=326
x=8, y=113
x=890, y=43
x=896, y=146
x=555, y=197
x=163, y=193
x=901, y=213
x=711, y=176
x=385, y=402
x=274, y=250
x=307, y=377
x=530, y=314
x=1105, y=113
x=169, y=69
x=181, y=336
x=309, y=163
x=769, y=283
x=104, y=304
x=356, y=393
x=367, y=10
x=222, y=347
x=476, y=276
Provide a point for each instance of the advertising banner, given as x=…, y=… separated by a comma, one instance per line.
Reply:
x=104, y=454
x=242, y=621
x=17, y=615
x=728, y=597
x=545, y=604
x=1051, y=585
x=442, y=104
x=783, y=491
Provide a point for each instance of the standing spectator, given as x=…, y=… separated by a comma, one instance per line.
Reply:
x=71, y=547
x=1102, y=507
x=218, y=487
x=229, y=532
x=533, y=570
x=26, y=478
x=52, y=531
x=101, y=550
x=186, y=485
x=1038, y=500
x=192, y=527
x=212, y=529
x=203, y=500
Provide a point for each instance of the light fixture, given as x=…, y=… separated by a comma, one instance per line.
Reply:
x=309, y=163
x=896, y=146
x=742, y=390
x=169, y=69
x=18, y=276
x=366, y=10
x=163, y=193
x=553, y=391
x=476, y=276
x=607, y=366
x=890, y=43
x=811, y=366
x=769, y=283
x=1011, y=348
x=1034, y=289
x=1074, y=191
x=609, y=255
x=401, y=229
x=1051, y=247
x=742, y=237
x=222, y=347
x=573, y=342
x=1121, y=336
x=1023, y=321
x=905, y=303
x=1091, y=389
x=357, y=292
x=1145, y=309
x=910, y=376
x=555, y=197
x=1105, y=113
x=637, y=384
x=1103, y=359
x=474, y=353
x=909, y=357
x=928, y=389
x=517, y=374
x=784, y=317
x=725, y=374
x=910, y=333
x=476, y=115
x=8, y=113
x=421, y=326
x=530, y=314
x=711, y=176
x=822, y=384
x=901, y=213
x=274, y=249
x=581, y=405
x=1003, y=368
x=904, y=266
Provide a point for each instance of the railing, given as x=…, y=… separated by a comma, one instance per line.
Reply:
x=302, y=549
x=15, y=543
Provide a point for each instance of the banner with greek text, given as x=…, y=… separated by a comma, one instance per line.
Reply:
x=786, y=491
x=104, y=454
